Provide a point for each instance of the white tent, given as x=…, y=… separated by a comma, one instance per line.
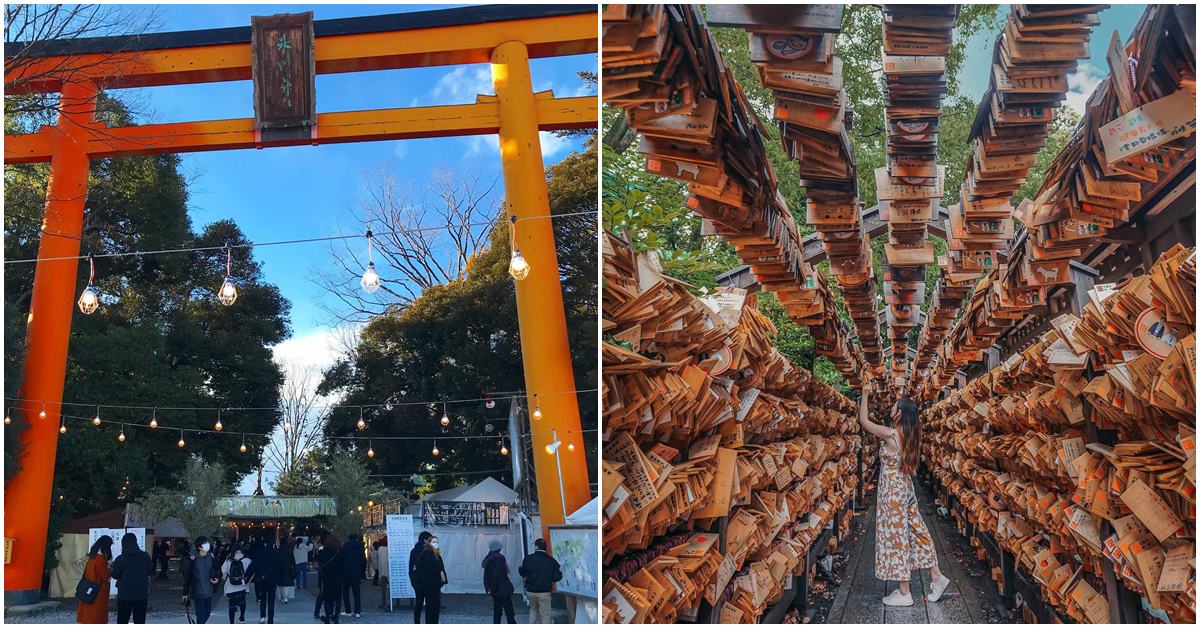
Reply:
x=464, y=547
x=588, y=514
x=487, y=490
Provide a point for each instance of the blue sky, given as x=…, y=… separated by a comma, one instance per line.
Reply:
x=1119, y=17
x=299, y=192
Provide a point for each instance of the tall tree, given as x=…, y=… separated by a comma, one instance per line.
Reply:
x=460, y=339
x=160, y=338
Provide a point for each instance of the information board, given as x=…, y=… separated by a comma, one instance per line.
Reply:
x=577, y=551
x=400, y=540
x=115, y=534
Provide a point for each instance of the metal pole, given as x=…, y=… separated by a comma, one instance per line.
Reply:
x=558, y=463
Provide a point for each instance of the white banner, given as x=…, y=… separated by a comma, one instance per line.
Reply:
x=94, y=535
x=400, y=542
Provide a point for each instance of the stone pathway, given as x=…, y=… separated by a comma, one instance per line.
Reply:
x=971, y=599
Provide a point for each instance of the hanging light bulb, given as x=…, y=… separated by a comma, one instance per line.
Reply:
x=90, y=299
x=362, y=424
x=243, y=447
x=154, y=419
x=370, y=503
x=489, y=403
x=96, y=421
x=7, y=418
x=503, y=448
x=370, y=280
x=228, y=292
x=218, y=426
x=42, y=414
x=181, y=442
x=517, y=266
x=537, y=408
x=445, y=416
x=121, y=436
x=435, y=449
x=370, y=450
x=571, y=446
x=62, y=428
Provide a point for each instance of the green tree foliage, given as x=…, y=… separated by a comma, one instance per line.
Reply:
x=346, y=478
x=160, y=338
x=198, y=487
x=461, y=339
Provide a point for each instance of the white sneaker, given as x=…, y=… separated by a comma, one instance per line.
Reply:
x=358, y=614
x=939, y=587
x=895, y=598
x=262, y=620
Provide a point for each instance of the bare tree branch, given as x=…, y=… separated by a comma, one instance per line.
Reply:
x=454, y=212
x=303, y=419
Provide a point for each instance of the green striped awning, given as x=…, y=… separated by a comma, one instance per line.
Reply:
x=249, y=507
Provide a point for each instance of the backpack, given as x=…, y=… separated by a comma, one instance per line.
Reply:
x=237, y=573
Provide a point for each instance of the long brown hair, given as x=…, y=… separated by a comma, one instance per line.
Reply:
x=908, y=426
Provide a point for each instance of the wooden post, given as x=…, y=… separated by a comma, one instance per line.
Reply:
x=545, y=352
x=50, y=311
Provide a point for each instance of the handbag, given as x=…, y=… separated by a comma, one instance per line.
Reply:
x=87, y=590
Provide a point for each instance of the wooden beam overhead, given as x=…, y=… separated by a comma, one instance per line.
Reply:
x=481, y=118
x=558, y=35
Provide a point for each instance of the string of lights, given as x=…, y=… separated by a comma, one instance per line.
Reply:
x=249, y=245
x=98, y=422
x=489, y=401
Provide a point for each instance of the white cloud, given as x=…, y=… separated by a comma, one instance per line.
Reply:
x=489, y=145
x=461, y=85
x=1081, y=84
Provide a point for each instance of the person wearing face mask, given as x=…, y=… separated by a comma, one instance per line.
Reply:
x=428, y=578
x=200, y=575
x=96, y=574
x=236, y=584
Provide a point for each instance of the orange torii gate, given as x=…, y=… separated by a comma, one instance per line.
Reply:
x=505, y=36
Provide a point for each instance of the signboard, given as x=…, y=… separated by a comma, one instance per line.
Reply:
x=115, y=534
x=576, y=548
x=284, y=71
x=8, y=543
x=464, y=514
x=400, y=540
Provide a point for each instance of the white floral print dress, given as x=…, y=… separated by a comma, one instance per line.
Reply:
x=902, y=542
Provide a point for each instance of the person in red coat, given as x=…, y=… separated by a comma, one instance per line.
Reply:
x=97, y=571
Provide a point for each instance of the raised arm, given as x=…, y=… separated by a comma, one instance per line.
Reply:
x=875, y=429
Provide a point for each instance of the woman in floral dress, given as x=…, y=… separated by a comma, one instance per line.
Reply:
x=902, y=542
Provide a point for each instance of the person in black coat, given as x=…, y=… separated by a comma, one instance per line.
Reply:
x=264, y=573
x=352, y=573
x=419, y=602
x=331, y=566
x=540, y=571
x=497, y=584
x=132, y=571
x=427, y=577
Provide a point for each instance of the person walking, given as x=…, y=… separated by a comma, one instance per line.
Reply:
x=301, y=548
x=96, y=575
x=497, y=584
x=164, y=560
x=373, y=562
x=540, y=572
x=236, y=584
x=902, y=542
x=382, y=558
x=427, y=577
x=352, y=573
x=200, y=575
x=132, y=571
x=264, y=573
x=330, y=564
x=287, y=574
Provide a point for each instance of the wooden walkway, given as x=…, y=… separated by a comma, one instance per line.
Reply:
x=971, y=599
